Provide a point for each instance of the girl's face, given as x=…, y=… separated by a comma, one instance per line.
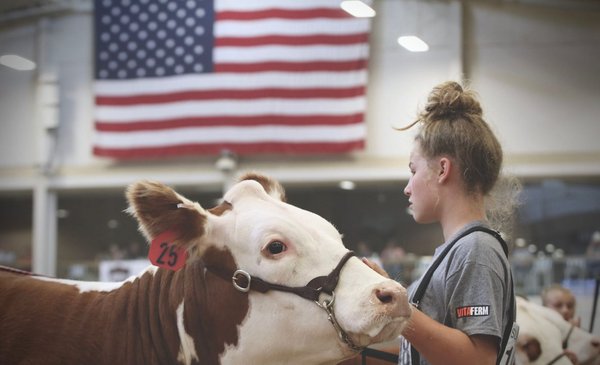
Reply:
x=421, y=189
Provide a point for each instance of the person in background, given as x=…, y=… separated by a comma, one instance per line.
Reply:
x=561, y=300
x=455, y=163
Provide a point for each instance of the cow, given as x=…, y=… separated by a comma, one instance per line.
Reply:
x=546, y=338
x=259, y=281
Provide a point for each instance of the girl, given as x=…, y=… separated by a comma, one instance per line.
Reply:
x=455, y=163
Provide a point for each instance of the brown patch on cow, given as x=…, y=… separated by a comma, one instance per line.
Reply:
x=530, y=346
x=216, y=295
x=155, y=206
x=272, y=187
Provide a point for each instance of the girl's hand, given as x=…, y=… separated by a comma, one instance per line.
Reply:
x=375, y=267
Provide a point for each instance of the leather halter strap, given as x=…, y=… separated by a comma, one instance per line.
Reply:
x=311, y=291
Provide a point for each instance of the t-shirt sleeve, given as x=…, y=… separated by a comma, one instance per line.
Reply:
x=475, y=294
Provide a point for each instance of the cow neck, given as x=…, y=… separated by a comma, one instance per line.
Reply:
x=213, y=308
x=135, y=323
x=119, y=326
x=211, y=312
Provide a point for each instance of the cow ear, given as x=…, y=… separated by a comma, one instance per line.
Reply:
x=271, y=186
x=158, y=209
x=531, y=347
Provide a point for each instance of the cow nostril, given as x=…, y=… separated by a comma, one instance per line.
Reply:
x=596, y=342
x=384, y=296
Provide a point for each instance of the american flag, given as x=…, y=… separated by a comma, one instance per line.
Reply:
x=183, y=77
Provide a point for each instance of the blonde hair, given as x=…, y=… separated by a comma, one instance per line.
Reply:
x=452, y=124
x=555, y=287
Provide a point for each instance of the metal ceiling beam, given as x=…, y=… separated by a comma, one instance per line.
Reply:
x=32, y=10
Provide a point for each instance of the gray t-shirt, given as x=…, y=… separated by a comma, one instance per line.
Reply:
x=470, y=290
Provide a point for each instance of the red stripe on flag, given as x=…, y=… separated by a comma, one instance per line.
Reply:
x=240, y=148
x=330, y=13
x=224, y=94
x=292, y=66
x=357, y=38
x=221, y=121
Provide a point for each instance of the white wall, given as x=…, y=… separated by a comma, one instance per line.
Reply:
x=400, y=80
x=539, y=73
x=17, y=100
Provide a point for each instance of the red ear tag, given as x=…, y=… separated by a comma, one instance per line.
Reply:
x=164, y=253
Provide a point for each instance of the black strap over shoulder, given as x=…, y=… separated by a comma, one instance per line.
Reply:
x=418, y=295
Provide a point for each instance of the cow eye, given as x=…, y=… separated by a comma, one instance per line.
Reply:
x=276, y=247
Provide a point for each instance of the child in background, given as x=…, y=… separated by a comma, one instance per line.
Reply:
x=561, y=300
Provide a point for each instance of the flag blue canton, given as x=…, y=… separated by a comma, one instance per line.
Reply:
x=140, y=39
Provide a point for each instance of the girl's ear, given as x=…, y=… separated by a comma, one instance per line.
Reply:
x=444, y=168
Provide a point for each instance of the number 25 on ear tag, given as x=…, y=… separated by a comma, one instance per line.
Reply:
x=164, y=253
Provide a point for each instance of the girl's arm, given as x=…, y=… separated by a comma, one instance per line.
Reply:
x=442, y=345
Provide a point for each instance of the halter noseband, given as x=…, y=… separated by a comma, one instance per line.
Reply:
x=245, y=282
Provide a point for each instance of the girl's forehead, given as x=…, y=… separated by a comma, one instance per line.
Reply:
x=416, y=156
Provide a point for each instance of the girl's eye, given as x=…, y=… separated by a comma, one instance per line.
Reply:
x=276, y=247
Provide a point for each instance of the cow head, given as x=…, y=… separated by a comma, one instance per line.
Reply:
x=542, y=333
x=283, y=245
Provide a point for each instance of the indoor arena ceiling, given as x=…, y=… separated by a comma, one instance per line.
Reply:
x=19, y=9
x=19, y=5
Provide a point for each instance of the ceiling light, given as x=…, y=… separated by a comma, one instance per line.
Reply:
x=413, y=43
x=347, y=185
x=17, y=62
x=357, y=8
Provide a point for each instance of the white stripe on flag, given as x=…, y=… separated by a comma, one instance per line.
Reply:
x=232, y=81
x=289, y=53
x=253, y=134
x=292, y=27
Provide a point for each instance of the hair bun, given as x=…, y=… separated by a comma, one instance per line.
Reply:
x=450, y=100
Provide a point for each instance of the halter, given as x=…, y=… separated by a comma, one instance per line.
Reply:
x=245, y=282
x=565, y=344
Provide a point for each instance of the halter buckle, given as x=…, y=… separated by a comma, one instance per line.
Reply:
x=235, y=277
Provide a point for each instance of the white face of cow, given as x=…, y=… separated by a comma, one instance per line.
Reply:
x=541, y=335
x=285, y=245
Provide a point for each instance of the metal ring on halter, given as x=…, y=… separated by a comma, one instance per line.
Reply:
x=234, y=279
x=326, y=303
